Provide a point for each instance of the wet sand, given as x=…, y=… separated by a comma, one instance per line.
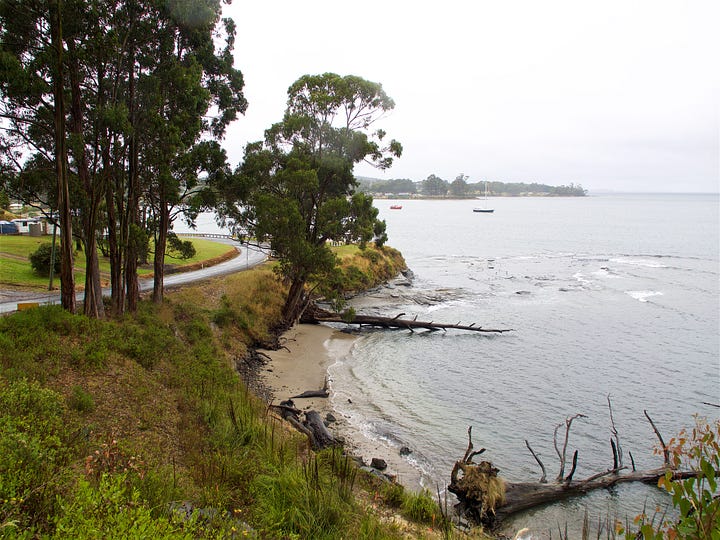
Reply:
x=303, y=365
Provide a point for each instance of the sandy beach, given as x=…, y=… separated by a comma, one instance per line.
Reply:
x=309, y=350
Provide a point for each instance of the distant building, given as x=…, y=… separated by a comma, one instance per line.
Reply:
x=31, y=226
x=8, y=227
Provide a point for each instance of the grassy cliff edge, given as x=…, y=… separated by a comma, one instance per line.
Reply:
x=141, y=427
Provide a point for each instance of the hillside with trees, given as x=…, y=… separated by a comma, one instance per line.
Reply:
x=460, y=188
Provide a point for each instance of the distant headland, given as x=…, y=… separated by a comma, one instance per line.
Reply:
x=434, y=187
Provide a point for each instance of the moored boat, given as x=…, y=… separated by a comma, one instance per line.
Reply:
x=484, y=209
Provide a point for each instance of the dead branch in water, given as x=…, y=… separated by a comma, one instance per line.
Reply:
x=561, y=455
x=477, y=488
x=398, y=323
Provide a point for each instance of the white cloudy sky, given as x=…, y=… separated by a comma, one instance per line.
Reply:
x=612, y=94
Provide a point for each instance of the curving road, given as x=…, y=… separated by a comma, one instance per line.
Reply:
x=247, y=258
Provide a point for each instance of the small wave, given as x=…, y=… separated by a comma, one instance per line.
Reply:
x=639, y=262
x=591, y=258
x=663, y=256
x=642, y=296
x=580, y=278
x=605, y=272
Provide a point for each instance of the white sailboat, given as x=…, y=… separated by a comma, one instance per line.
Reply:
x=484, y=208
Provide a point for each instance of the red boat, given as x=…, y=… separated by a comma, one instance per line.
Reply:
x=396, y=207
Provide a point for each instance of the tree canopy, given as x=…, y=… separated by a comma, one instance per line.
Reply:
x=296, y=189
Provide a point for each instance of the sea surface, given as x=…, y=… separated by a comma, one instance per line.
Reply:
x=608, y=296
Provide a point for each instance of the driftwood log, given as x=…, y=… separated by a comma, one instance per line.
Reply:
x=486, y=499
x=318, y=315
x=322, y=393
x=323, y=438
x=313, y=426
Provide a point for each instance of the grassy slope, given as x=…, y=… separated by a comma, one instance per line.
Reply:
x=106, y=423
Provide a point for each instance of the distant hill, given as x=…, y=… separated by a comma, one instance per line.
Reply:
x=459, y=188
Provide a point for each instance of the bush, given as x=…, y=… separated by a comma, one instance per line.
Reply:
x=114, y=510
x=80, y=400
x=393, y=494
x=420, y=507
x=179, y=249
x=31, y=453
x=697, y=498
x=40, y=260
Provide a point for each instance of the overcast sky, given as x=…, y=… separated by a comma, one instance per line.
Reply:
x=620, y=95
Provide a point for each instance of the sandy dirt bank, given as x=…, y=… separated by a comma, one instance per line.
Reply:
x=303, y=365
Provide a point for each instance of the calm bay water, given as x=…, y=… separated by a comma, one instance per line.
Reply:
x=612, y=295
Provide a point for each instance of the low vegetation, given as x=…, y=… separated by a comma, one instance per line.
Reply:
x=141, y=427
x=359, y=270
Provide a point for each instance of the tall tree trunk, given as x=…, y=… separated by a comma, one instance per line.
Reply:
x=117, y=295
x=159, y=259
x=67, y=277
x=132, y=288
x=93, y=304
x=295, y=302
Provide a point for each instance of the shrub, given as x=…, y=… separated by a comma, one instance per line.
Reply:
x=114, y=510
x=393, y=494
x=40, y=260
x=420, y=507
x=31, y=452
x=179, y=249
x=227, y=315
x=80, y=400
x=698, y=498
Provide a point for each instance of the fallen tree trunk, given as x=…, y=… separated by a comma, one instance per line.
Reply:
x=486, y=499
x=525, y=495
x=318, y=316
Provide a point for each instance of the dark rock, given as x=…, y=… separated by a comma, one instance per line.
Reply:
x=405, y=451
x=378, y=463
x=330, y=418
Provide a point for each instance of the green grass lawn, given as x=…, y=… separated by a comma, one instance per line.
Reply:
x=15, y=269
x=343, y=252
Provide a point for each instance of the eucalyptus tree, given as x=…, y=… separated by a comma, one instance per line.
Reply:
x=434, y=186
x=33, y=106
x=188, y=99
x=119, y=104
x=459, y=186
x=296, y=189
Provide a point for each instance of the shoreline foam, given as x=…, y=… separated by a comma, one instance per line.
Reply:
x=302, y=364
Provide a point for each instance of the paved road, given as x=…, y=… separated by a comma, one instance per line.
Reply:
x=247, y=258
